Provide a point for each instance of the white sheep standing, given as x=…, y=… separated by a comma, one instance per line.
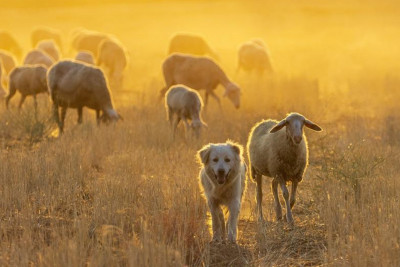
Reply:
x=190, y=44
x=112, y=58
x=281, y=154
x=27, y=80
x=76, y=85
x=186, y=104
x=199, y=73
x=37, y=56
x=50, y=48
x=253, y=55
x=85, y=56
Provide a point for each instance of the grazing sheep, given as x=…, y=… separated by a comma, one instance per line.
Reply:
x=46, y=33
x=9, y=62
x=190, y=44
x=280, y=154
x=253, y=55
x=112, y=58
x=77, y=85
x=186, y=104
x=85, y=56
x=28, y=80
x=85, y=40
x=7, y=42
x=198, y=73
x=37, y=56
x=223, y=180
x=50, y=48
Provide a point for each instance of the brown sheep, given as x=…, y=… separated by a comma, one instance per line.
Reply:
x=199, y=73
x=112, y=58
x=7, y=42
x=27, y=80
x=76, y=85
x=85, y=56
x=190, y=44
x=46, y=33
x=37, y=56
x=50, y=48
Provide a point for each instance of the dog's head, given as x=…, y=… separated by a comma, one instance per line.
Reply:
x=221, y=161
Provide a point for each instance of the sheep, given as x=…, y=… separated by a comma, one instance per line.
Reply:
x=50, y=48
x=190, y=44
x=28, y=80
x=7, y=42
x=84, y=40
x=76, y=85
x=37, y=56
x=253, y=55
x=281, y=155
x=2, y=91
x=46, y=33
x=9, y=62
x=112, y=58
x=186, y=104
x=198, y=73
x=85, y=56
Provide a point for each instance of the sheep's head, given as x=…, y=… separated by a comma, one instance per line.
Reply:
x=294, y=123
x=110, y=116
x=232, y=91
x=196, y=126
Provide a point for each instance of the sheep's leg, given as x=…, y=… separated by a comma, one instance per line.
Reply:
x=285, y=193
x=35, y=103
x=216, y=98
x=63, y=113
x=278, y=208
x=258, y=178
x=170, y=115
x=80, y=110
x=187, y=128
x=21, y=101
x=293, y=194
x=11, y=93
x=206, y=99
x=175, y=126
x=55, y=114
x=216, y=214
x=234, y=208
x=98, y=116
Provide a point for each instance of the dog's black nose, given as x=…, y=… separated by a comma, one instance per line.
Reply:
x=221, y=172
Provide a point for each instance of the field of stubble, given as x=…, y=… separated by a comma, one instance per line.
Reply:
x=127, y=195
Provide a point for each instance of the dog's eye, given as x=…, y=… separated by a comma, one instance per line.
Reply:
x=215, y=159
x=227, y=160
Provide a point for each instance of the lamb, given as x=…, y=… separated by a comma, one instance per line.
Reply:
x=37, y=56
x=186, y=104
x=85, y=40
x=46, y=33
x=112, y=58
x=281, y=155
x=28, y=80
x=50, y=48
x=253, y=55
x=190, y=44
x=9, y=62
x=198, y=73
x=76, y=85
x=7, y=42
x=85, y=56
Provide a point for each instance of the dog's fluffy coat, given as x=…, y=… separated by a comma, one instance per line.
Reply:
x=223, y=179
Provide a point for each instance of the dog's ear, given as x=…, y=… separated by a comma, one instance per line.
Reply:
x=204, y=154
x=235, y=147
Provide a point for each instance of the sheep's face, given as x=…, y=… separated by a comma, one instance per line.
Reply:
x=233, y=93
x=221, y=161
x=110, y=116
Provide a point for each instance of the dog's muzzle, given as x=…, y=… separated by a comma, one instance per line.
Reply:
x=221, y=176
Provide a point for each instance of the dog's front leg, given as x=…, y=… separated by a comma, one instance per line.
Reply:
x=234, y=208
x=216, y=222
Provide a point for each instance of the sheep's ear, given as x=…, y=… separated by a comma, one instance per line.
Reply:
x=279, y=126
x=204, y=154
x=312, y=126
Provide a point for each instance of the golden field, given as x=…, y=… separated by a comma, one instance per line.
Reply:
x=127, y=195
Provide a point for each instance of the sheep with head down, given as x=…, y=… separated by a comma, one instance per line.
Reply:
x=254, y=56
x=199, y=73
x=50, y=48
x=37, y=56
x=185, y=104
x=27, y=80
x=76, y=85
x=279, y=150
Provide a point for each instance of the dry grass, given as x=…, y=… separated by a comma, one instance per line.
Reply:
x=126, y=195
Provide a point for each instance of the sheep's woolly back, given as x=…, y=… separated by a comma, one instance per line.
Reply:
x=28, y=80
x=274, y=155
x=190, y=44
x=37, y=56
x=254, y=55
x=74, y=84
x=50, y=48
x=85, y=56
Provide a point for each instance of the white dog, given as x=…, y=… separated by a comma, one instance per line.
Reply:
x=223, y=178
